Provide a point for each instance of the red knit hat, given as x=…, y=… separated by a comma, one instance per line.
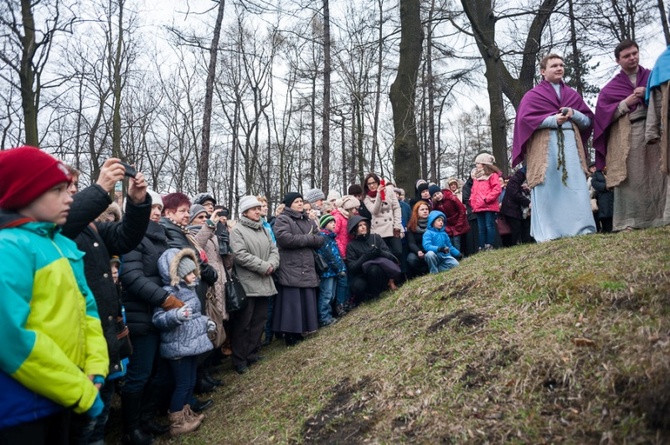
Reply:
x=26, y=173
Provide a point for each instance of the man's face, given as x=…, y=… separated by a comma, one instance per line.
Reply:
x=554, y=71
x=628, y=59
x=178, y=215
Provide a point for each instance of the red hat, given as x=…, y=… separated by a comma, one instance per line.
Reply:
x=26, y=173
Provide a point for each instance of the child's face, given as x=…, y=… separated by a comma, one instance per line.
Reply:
x=362, y=228
x=190, y=278
x=52, y=206
x=438, y=223
x=115, y=272
x=437, y=196
x=330, y=226
x=425, y=194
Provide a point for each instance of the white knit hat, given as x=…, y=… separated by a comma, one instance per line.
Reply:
x=485, y=158
x=155, y=198
x=248, y=202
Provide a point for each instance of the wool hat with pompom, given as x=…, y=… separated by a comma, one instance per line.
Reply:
x=26, y=173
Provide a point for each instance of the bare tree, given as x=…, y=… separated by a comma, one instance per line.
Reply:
x=403, y=93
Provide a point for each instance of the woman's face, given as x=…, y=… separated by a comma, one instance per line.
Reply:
x=254, y=213
x=156, y=210
x=178, y=215
x=200, y=219
x=372, y=183
x=453, y=187
x=423, y=211
x=362, y=228
x=298, y=205
x=425, y=194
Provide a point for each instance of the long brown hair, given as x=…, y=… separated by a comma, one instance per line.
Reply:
x=365, y=182
x=414, y=219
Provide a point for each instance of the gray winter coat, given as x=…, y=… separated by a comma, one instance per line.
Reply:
x=297, y=237
x=254, y=254
x=180, y=338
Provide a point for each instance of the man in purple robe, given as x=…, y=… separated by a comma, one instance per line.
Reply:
x=633, y=167
x=552, y=126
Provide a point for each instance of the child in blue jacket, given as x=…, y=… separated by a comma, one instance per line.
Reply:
x=440, y=254
x=333, y=280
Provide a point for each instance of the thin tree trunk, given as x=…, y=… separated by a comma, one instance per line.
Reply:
x=325, y=131
x=431, y=95
x=116, y=119
x=203, y=173
x=664, y=21
x=27, y=74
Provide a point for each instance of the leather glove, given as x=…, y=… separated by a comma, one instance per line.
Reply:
x=211, y=326
x=172, y=302
x=184, y=313
x=96, y=409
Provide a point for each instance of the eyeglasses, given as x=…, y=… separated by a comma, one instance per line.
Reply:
x=201, y=217
x=372, y=183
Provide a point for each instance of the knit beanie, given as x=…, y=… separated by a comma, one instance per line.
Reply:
x=26, y=173
x=313, y=195
x=421, y=187
x=248, y=202
x=290, y=197
x=196, y=209
x=155, y=198
x=350, y=202
x=200, y=198
x=420, y=182
x=325, y=219
x=485, y=158
x=333, y=196
x=434, y=189
x=185, y=267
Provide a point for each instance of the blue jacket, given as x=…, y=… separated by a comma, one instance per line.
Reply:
x=435, y=240
x=331, y=254
x=180, y=338
x=52, y=334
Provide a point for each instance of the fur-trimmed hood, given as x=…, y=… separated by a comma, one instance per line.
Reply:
x=169, y=261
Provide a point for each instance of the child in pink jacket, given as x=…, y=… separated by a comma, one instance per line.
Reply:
x=484, y=198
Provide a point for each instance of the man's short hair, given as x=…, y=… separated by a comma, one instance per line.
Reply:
x=545, y=59
x=625, y=44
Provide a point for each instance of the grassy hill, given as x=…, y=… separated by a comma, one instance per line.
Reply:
x=562, y=342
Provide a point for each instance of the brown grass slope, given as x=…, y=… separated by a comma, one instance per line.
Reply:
x=563, y=342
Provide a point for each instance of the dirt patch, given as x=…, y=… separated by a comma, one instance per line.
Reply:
x=455, y=289
x=655, y=404
x=346, y=418
x=463, y=319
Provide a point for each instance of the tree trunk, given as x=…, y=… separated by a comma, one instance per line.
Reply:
x=403, y=93
x=431, y=96
x=325, y=131
x=203, y=175
x=27, y=74
x=118, y=87
x=664, y=21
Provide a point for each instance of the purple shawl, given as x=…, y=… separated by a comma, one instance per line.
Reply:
x=609, y=99
x=536, y=106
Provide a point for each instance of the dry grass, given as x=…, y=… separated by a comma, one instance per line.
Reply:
x=564, y=342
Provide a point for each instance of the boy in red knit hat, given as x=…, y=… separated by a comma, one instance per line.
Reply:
x=56, y=359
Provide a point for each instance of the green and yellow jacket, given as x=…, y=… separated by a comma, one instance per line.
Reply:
x=49, y=325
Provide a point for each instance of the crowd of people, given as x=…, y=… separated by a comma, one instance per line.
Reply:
x=131, y=298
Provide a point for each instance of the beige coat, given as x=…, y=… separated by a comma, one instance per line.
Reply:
x=386, y=214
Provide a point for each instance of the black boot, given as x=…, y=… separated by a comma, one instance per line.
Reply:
x=131, y=411
x=148, y=420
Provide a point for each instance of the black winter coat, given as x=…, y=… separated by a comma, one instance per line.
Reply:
x=99, y=241
x=414, y=241
x=515, y=197
x=364, y=248
x=177, y=239
x=297, y=237
x=142, y=283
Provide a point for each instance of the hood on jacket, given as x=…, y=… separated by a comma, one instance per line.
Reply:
x=169, y=262
x=9, y=218
x=433, y=215
x=353, y=222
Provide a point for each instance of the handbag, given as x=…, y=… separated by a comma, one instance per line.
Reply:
x=503, y=226
x=236, y=297
x=320, y=263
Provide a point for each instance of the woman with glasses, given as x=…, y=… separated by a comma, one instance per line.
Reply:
x=380, y=199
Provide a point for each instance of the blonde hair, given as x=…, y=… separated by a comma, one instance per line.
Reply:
x=262, y=199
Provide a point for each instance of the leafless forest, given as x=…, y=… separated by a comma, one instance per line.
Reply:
x=267, y=96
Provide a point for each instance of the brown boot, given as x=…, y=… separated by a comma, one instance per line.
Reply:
x=180, y=424
x=190, y=414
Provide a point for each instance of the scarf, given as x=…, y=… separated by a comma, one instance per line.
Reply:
x=382, y=192
x=421, y=225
